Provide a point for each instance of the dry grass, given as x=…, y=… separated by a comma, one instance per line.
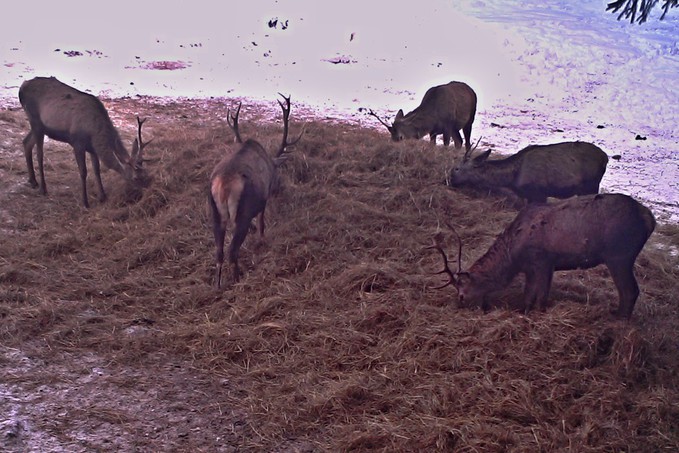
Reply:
x=334, y=340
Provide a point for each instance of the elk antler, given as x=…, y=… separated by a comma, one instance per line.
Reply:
x=232, y=121
x=468, y=153
x=137, y=150
x=446, y=269
x=459, y=247
x=286, y=119
x=452, y=276
x=371, y=113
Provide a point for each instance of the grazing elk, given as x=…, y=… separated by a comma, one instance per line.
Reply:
x=65, y=114
x=445, y=109
x=536, y=172
x=240, y=186
x=578, y=233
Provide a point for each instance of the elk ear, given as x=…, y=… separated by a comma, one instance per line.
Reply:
x=482, y=157
x=461, y=279
x=399, y=115
x=278, y=161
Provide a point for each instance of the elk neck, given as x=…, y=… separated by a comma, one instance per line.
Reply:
x=499, y=173
x=111, y=150
x=419, y=120
x=496, y=268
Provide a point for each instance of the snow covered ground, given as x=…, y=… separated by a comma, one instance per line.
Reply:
x=544, y=71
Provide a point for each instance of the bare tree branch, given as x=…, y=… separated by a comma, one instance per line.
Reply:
x=638, y=10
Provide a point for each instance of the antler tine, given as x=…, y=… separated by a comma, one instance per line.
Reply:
x=459, y=247
x=140, y=142
x=468, y=153
x=446, y=269
x=371, y=113
x=286, y=121
x=232, y=121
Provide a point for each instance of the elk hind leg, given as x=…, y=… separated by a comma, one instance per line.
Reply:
x=628, y=289
x=219, y=230
x=29, y=143
x=239, y=234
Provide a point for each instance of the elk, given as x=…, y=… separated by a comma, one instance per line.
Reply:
x=80, y=119
x=578, y=233
x=445, y=109
x=240, y=186
x=559, y=170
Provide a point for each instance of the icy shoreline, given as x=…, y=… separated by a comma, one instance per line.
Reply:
x=543, y=72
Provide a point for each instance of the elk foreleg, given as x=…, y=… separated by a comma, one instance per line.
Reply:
x=82, y=169
x=457, y=138
x=40, y=141
x=260, y=222
x=446, y=139
x=97, y=175
x=538, y=283
x=467, y=131
x=628, y=289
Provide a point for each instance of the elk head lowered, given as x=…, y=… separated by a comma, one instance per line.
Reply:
x=536, y=172
x=578, y=233
x=240, y=187
x=65, y=114
x=445, y=109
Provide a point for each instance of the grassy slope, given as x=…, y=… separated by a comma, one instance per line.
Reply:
x=335, y=338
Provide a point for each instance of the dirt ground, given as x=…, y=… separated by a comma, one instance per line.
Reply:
x=113, y=337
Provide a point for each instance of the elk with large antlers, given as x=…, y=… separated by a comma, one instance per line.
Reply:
x=240, y=186
x=445, y=109
x=578, y=233
x=65, y=114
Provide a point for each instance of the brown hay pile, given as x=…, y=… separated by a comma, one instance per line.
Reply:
x=334, y=339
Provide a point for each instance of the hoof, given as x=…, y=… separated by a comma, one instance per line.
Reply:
x=621, y=314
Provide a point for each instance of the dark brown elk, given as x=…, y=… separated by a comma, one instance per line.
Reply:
x=67, y=115
x=579, y=233
x=445, y=109
x=240, y=186
x=559, y=170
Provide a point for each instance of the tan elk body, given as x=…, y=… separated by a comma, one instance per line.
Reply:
x=240, y=186
x=578, y=233
x=65, y=114
x=558, y=170
x=445, y=109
